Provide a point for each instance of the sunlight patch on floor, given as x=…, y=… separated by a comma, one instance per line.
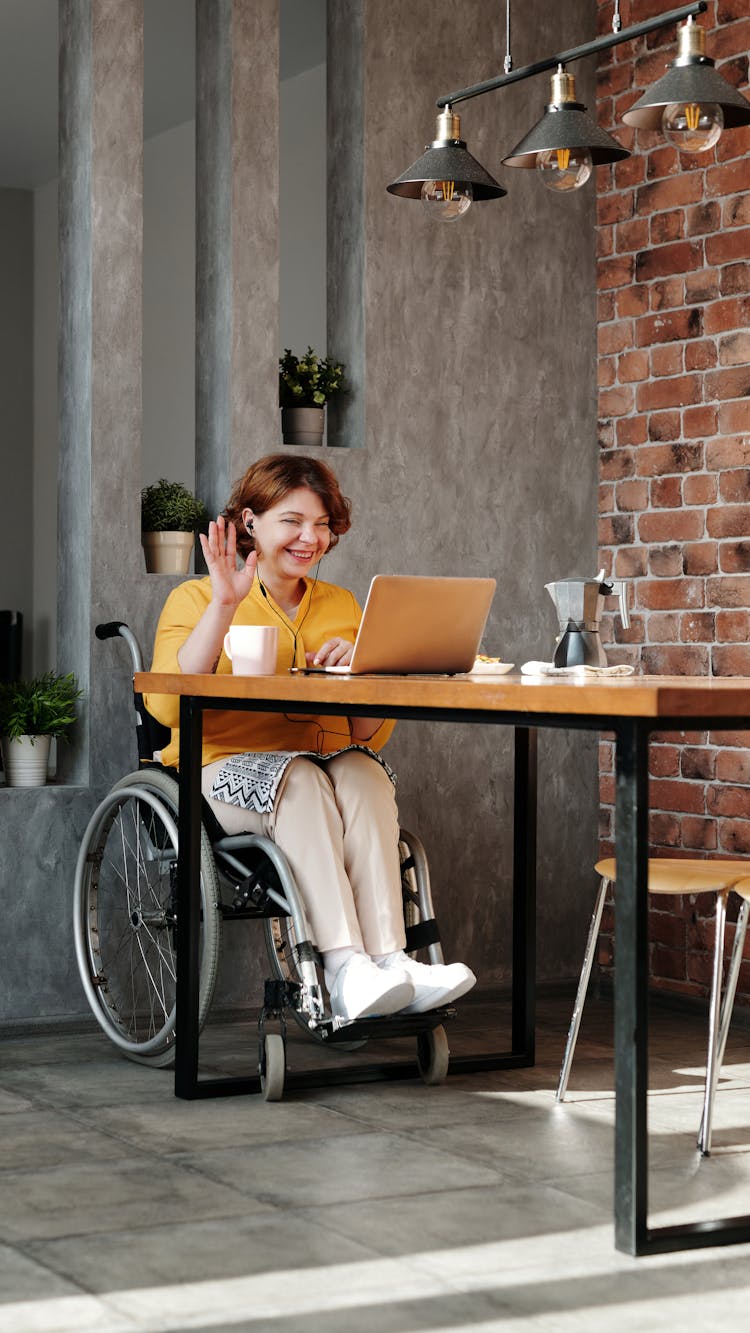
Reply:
x=580, y=1256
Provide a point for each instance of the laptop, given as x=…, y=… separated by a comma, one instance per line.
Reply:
x=414, y=625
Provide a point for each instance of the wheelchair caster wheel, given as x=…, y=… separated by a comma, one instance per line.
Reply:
x=273, y=1067
x=433, y=1056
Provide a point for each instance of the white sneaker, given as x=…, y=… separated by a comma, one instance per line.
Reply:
x=361, y=989
x=434, y=984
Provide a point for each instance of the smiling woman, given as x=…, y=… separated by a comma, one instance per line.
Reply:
x=316, y=785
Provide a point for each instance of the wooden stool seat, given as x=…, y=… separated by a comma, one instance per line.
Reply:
x=672, y=874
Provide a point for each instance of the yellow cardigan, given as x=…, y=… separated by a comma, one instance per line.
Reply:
x=326, y=611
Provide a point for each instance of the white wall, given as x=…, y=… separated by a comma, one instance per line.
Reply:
x=44, y=607
x=16, y=510
x=302, y=212
x=169, y=306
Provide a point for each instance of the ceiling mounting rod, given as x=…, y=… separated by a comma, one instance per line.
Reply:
x=575, y=53
x=508, y=61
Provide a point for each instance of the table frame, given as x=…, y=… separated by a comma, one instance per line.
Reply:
x=523, y=988
x=632, y=733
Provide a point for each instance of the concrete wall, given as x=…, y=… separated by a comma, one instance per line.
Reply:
x=480, y=435
x=474, y=348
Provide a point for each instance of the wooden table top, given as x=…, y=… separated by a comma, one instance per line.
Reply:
x=630, y=696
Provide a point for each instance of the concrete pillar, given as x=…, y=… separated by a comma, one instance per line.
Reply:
x=100, y=235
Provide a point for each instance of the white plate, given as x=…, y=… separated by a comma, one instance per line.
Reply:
x=490, y=668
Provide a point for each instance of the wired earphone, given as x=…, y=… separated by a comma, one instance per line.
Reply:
x=294, y=632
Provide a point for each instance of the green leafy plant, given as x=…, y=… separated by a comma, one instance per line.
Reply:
x=43, y=706
x=310, y=380
x=168, y=506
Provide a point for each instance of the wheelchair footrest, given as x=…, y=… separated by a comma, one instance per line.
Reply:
x=390, y=1025
x=280, y=995
x=248, y=913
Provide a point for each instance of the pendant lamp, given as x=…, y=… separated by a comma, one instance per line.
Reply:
x=446, y=177
x=566, y=142
x=691, y=103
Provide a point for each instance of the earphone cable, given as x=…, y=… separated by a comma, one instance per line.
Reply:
x=295, y=634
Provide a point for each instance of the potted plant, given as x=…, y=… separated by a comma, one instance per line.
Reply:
x=306, y=384
x=170, y=517
x=32, y=712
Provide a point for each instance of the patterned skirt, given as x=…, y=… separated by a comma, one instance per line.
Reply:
x=252, y=780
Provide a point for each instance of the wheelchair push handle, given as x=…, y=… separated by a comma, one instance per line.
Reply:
x=113, y=629
x=110, y=630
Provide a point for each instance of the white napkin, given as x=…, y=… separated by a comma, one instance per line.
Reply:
x=548, y=669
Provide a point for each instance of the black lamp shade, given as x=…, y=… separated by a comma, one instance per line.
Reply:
x=566, y=126
x=447, y=161
x=697, y=82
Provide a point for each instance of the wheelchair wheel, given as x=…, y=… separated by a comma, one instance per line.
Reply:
x=126, y=916
x=272, y=1067
x=433, y=1056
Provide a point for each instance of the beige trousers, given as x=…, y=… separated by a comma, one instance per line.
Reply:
x=338, y=828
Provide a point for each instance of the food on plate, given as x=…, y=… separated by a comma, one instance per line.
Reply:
x=490, y=666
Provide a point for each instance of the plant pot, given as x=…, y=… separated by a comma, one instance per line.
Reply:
x=302, y=425
x=25, y=760
x=167, y=552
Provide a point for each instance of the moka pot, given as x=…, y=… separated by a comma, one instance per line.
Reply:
x=579, y=604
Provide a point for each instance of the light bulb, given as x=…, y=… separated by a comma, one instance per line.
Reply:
x=692, y=127
x=446, y=200
x=564, y=168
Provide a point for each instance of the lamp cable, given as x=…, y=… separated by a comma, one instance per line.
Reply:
x=508, y=62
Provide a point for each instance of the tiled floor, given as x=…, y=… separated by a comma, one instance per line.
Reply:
x=479, y=1205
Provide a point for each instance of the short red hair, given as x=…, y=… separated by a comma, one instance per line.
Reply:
x=267, y=482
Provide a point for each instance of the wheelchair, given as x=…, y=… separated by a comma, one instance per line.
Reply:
x=126, y=924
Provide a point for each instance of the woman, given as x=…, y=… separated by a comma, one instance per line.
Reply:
x=316, y=785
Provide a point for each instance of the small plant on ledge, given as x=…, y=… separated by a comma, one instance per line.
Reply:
x=170, y=517
x=33, y=712
x=306, y=384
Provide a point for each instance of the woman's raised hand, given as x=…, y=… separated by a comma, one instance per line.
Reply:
x=230, y=582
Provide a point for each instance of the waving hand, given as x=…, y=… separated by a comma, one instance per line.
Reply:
x=229, y=583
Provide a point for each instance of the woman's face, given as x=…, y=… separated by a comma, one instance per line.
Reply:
x=292, y=535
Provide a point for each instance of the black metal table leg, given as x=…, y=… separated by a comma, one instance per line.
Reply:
x=188, y=899
x=632, y=1232
x=524, y=893
x=631, y=989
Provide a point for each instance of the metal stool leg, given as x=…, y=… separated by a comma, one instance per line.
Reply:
x=727, y=1006
x=712, y=1061
x=583, y=983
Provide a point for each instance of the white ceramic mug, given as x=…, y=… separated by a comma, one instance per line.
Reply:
x=252, y=649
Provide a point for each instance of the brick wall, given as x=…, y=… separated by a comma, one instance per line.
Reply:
x=674, y=397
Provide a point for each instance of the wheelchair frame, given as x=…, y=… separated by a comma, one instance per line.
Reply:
x=126, y=922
